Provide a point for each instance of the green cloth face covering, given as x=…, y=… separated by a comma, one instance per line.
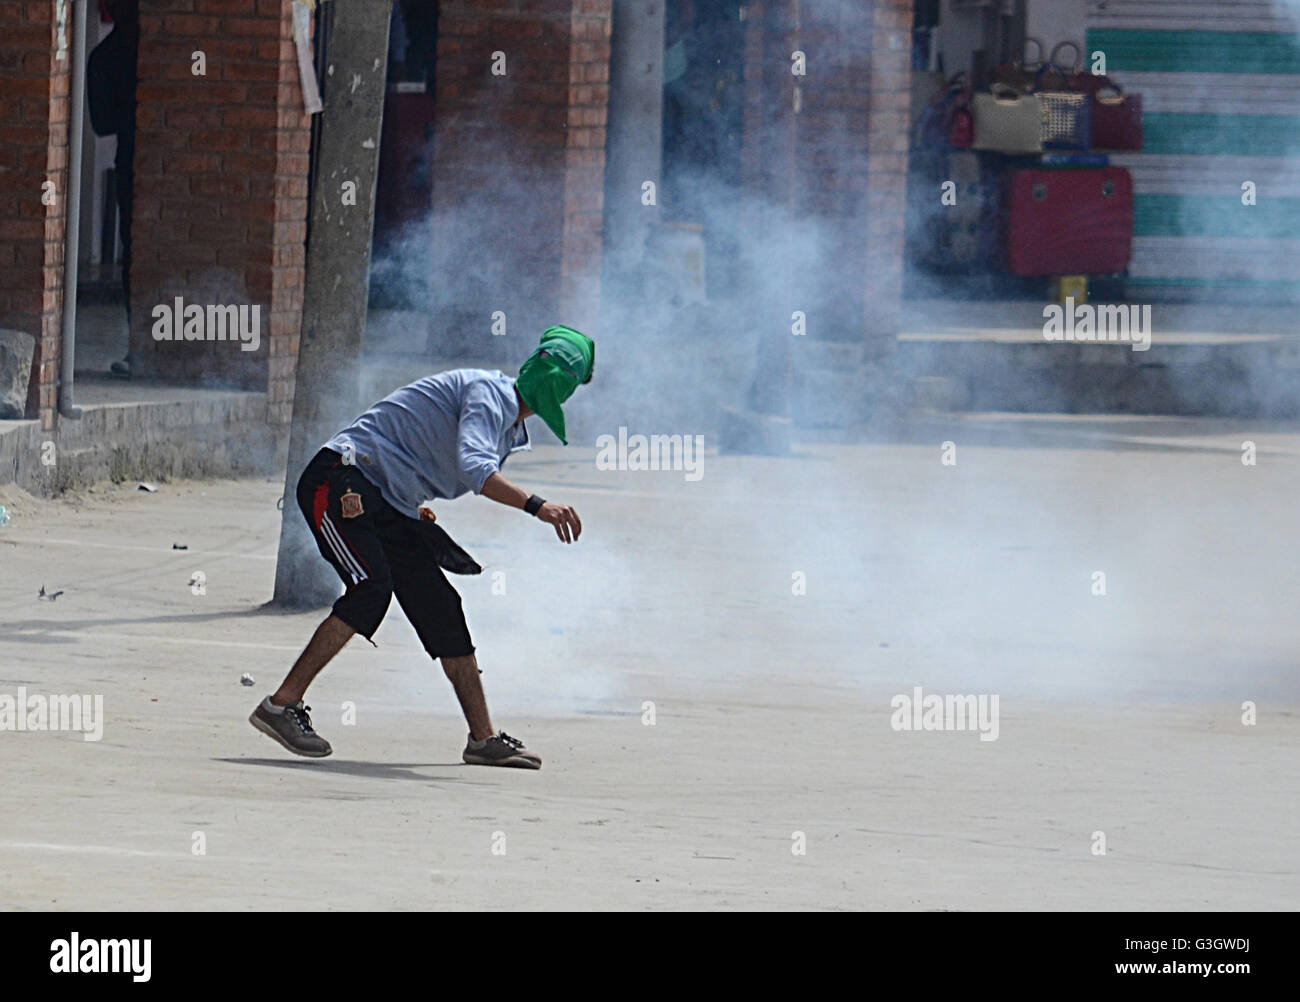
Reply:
x=565, y=359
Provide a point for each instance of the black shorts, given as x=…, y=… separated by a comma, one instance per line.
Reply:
x=378, y=551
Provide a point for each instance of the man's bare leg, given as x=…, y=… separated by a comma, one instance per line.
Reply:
x=464, y=676
x=329, y=638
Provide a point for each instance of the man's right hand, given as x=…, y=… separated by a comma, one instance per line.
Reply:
x=565, y=519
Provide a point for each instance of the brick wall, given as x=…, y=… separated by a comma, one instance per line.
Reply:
x=889, y=114
x=220, y=187
x=222, y=162
x=584, y=177
x=33, y=149
x=841, y=159
x=519, y=160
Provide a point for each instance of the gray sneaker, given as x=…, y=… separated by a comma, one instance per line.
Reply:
x=291, y=727
x=501, y=749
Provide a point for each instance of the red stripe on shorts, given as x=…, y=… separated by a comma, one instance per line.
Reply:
x=320, y=503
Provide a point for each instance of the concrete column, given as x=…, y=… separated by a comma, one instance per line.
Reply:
x=634, y=150
x=338, y=276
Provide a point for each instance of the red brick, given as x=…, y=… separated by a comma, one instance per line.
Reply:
x=181, y=25
x=218, y=141
x=249, y=70
x=248, y=27
x=190, y=163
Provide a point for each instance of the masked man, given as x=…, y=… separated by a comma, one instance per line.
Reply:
x=362, y=495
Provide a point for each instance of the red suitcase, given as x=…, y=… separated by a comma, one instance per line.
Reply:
x=1068, y=221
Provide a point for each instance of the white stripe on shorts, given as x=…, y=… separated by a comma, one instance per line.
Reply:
x=341, y=551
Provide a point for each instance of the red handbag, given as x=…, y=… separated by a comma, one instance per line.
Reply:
x=1089, y=83
x=961, y=127
x=961, y=123
x=1116, y=119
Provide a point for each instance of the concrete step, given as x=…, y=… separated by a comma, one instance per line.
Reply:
x=1244, y=377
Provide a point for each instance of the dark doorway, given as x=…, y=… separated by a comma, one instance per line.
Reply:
x=703, y=124
x=400, y=276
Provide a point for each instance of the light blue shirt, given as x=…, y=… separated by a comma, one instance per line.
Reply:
x=439, y=437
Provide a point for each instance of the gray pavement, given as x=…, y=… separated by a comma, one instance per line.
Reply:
x=1120, y=714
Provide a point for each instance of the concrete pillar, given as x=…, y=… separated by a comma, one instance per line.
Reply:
x=338, y=276
x=634, y=150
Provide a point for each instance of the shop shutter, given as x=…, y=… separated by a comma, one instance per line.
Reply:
x=1220, y=83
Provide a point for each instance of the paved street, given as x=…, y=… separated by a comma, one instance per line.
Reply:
x=770, y=612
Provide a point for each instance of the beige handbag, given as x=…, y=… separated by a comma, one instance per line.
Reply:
x=1008, y=121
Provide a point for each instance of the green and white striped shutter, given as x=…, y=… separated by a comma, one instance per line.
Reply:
x=1220, y=82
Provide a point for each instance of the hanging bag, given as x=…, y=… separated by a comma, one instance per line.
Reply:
x=1065, y=112
x=1022, y=73
x=1116, y=119
x=1008, y=121
x=946, y=121
x=961, y=122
